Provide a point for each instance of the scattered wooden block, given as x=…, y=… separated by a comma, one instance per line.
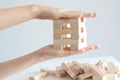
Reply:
x=38, y=76
x=117, y=69
x=111, y=68
x=118, y=75
x=69, y=71
x=85, y=67
x=84, y=76
x=60, y=72
x=110, y=77
x=97, y=74
x=77, y=70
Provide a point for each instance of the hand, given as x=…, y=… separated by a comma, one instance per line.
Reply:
x=48, y=52
x=45, y=12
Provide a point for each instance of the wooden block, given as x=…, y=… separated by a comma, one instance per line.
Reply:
x=84, y=76
x=49, y=72
x=101, y=64
x=78, y=36
x=66, y=36
x=75, y=20
x=60, y=72
x=97, y=74
x=34, y=78
x=38, y=76
x=60, y=69
x=82, y=19
x=66, y=26
x=74, y=36
x=111, y=68
x=66, y=31
x=57, y=47
x=88, y=79
x=73, y=63
x=57, y=26
x=63, y=21
x=118, y=75
x=82, y=29
x=78, y=46
x=56, y=37
x=85, y=67
x=74, y=26
x=74, y=47
x=117, y=68
x=57, y=31
x=66, y=41
x=110, y=77
x=77, y=70
x=69, y=71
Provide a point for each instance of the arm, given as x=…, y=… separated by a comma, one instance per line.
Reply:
x=19, y=64
x=12, y=16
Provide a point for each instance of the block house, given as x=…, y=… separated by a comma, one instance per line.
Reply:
x=69, y=34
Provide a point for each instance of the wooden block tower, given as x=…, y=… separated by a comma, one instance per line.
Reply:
x=69, y=34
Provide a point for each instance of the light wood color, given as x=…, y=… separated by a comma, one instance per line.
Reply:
x=66, y=41
x=84, y=76
x=98, y=74
x=66, y=31
x=63, y=21
x=69, y=32
x=69, y=71
x=111, y=68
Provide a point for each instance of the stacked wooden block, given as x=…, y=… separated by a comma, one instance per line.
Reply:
x=69, y=34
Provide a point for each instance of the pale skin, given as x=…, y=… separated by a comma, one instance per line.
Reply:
x=13, y=16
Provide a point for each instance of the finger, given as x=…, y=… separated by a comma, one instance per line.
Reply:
x=83, y=14
x=51, y=45
x=91, y=47
x=95, y=14
x=68, y=16
x=85, y=49
x=90, y=15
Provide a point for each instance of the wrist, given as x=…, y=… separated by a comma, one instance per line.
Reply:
x=34, y=10
x=38, y=56
x=41, y=55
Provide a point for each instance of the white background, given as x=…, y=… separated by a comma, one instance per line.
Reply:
x=32, y=35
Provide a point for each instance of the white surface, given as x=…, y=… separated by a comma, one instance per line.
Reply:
x=52, y=65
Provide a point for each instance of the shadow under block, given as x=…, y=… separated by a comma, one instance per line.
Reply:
x=69, y=32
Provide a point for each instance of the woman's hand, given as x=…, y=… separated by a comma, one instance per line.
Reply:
x=45, y=12
x=48, y=52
